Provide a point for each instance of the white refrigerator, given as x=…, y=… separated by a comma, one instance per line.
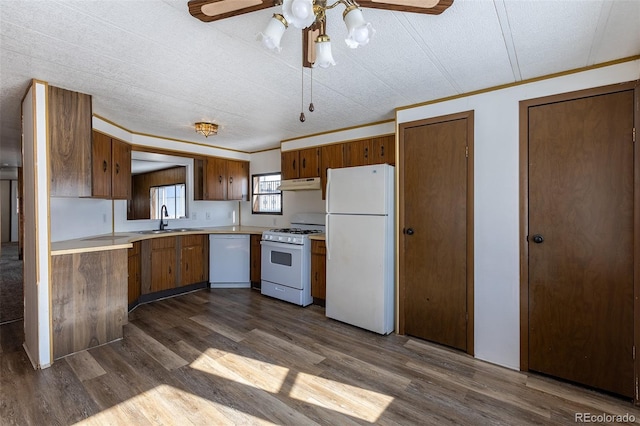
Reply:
x=360, y=240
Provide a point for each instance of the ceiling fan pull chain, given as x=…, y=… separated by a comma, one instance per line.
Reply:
x=302, y=117
x=311, y=107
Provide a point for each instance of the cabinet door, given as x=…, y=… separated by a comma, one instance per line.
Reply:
x=192, y=259
x=331, y=158
x=101, y=164
x=238, y=176
x=309, y=162
x=120, y=170
x=255, y=262
x=134, y=273
x=70, y=143
x=163, y=263
x=318, y=270
x=357, y=153
x=383, y=150
x=289, y=164
x=216, y=179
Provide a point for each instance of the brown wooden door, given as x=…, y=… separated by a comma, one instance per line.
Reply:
x=216, y=179
x=310, y=162
x=121, y=170
x=580, y=295
x=101, y=164
x=435, y=241
x=290, y=164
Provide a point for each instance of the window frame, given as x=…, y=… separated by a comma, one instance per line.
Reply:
x=254, y=194
x=152, y=214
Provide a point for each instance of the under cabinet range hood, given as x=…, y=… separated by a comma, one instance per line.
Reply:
x=303, y=184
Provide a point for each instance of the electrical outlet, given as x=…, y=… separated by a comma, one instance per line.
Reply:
x=208, y=215
x=194, y=215
x=104, y=218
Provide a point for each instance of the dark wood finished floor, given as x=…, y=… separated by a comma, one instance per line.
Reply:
x=236, y=357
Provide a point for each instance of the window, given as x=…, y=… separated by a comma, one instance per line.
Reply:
x=266, y=197
x=172, y=196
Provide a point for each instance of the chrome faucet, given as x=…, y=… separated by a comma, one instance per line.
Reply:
x=166, y=214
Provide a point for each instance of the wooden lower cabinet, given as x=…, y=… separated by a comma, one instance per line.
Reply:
x=166, y=266
x=256, y=281
x=89, y=299
x=134, y=273
x=193, y=259
x=163, y=264
x=318, y=271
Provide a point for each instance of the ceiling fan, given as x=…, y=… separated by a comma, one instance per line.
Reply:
x=309, y=15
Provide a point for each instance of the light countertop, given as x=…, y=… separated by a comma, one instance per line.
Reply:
x=124, y=240
x=319, y=237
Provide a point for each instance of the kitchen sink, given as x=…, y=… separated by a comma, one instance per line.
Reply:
x=168, y=230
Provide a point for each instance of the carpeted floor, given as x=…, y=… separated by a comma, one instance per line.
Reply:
x=11, y=284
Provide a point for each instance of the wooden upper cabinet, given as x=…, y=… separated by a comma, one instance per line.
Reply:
x=101, y=165
x=238, y=180
x=222, y=179
x=309, y=160
x=70, y=142
x=383, y=150
x=111, y=164
x=290, y=164
x=121, y=170
x=357, y=153
x=215, y=179
x=330, y=158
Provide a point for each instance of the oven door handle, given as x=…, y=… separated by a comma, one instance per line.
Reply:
x=281, y=246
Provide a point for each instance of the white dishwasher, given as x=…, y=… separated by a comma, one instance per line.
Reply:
x=229, y=261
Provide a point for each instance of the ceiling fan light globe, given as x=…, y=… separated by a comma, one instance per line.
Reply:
x=359, y=31
x=298, y=13
x=324, y=57
x=273, y=33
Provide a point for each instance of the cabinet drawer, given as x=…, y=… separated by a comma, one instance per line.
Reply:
x=161, y=243
x=318, y=247
x=193, y=240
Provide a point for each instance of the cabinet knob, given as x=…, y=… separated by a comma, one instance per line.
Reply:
x=294, y=164
x=231, y=179
x=117, y=168
x=104, y=165
x=220, y=179
x=382, y=151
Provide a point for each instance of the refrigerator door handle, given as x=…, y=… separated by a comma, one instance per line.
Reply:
x=327, y=192
x=327, y=243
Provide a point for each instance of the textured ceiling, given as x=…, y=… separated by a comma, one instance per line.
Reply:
x=153, y=68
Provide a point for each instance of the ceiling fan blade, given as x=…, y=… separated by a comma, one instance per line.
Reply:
x=213, y=10
x=431, y=7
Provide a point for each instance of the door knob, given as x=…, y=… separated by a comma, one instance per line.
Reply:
x=408, y=231
x=538, y=238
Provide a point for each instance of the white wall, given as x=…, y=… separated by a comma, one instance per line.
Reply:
x=292, y=201
x=14, y=210
x=496, y=201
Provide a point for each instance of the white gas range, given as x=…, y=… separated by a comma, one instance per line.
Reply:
x=286, y=259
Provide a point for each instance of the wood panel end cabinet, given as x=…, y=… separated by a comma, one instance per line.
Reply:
x=89, y=299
